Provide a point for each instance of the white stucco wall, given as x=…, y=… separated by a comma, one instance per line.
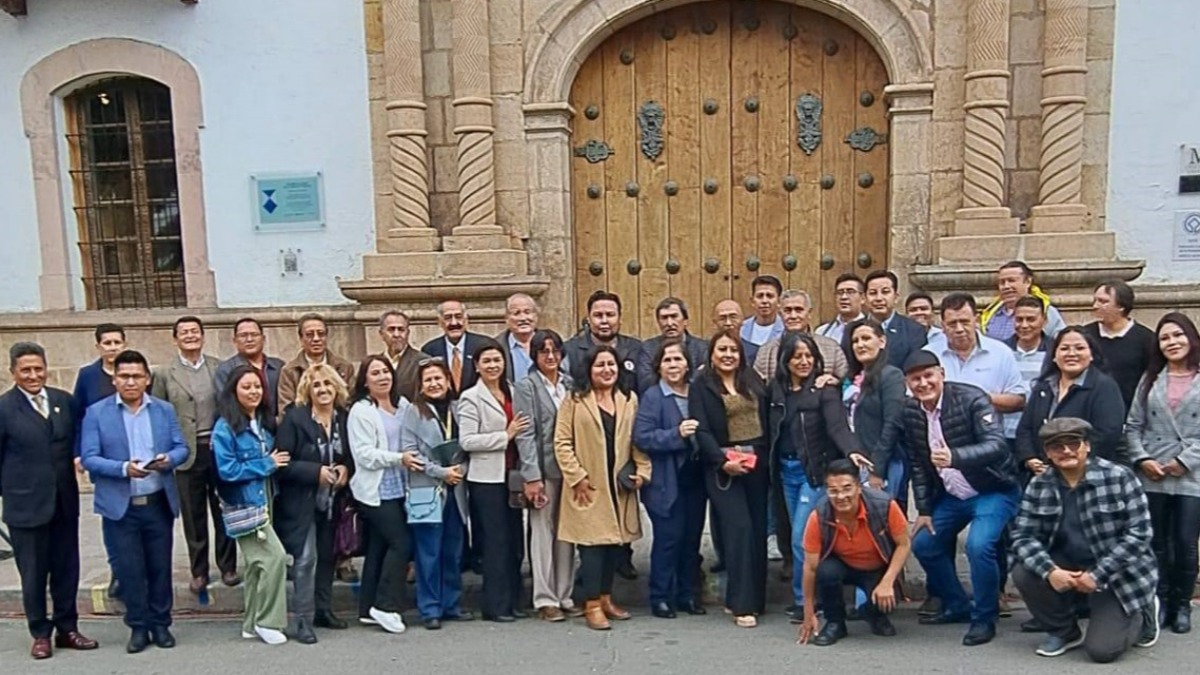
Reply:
x=284, y=87
x=1155, y=110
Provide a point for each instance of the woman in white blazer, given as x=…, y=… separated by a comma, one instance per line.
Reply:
x=487, y=426
x=374, y=427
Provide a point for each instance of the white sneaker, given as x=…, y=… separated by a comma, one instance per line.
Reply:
x=389, y=621
x=773, y=552
x=270, y=635
x=248, y=636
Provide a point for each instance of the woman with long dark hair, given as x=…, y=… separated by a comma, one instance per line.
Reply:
x=807, y=429
x=593, y=445
x=428, y=440
x=1163, y=436
x=1072, y=384
x=876, y=402
x=487, y=425
x=378, y=484
x=247, y=461
x=313, y=433
x=665, y=431
x=730, y=406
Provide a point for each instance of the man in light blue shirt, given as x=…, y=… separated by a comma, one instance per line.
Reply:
x=521, y=320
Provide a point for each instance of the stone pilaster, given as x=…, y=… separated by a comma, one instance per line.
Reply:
x=408, y=229
x=984, y=141
x=910, y=109
x=1064, y=98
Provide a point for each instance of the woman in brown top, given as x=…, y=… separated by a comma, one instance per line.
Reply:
x=728, y=402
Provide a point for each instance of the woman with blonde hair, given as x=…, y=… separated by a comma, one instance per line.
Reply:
x=313, y=433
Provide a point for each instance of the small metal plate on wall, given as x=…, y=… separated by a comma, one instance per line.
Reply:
x=594, y=151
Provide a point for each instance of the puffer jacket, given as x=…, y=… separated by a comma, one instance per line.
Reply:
x=975, y=436
x=820, y=431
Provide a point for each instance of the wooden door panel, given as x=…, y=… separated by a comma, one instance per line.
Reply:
x=684, y=103
x=652, y=230
x=715, y=149
x=804, y=232
x=774, y=50
x=588, y=179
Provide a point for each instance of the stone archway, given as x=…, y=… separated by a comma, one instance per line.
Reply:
x=59, y=74
x=574, y=28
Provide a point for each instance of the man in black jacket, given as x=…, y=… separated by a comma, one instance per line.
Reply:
x=963, y=474
x=671, y=314
x=904, y=336
x=604, y=328
x=41, y=499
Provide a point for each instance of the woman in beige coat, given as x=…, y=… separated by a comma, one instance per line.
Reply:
x=592, y=443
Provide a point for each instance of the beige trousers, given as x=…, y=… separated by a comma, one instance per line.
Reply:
x=552, y=561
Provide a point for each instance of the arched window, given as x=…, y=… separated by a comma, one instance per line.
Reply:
x=126, y=194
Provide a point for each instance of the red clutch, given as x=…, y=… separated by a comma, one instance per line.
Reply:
x=746, y=459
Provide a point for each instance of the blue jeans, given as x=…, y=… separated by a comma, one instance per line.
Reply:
x=801, y=498
x=988, y=515
x=438, y=556
x=897, y=481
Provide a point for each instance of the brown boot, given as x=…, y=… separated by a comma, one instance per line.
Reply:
x=611, y=610
x=594, y=615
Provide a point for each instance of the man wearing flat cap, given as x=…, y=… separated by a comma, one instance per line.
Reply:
x=962, y=474
x=1084, y=530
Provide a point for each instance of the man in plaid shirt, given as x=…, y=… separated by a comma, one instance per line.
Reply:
x=1084, y=530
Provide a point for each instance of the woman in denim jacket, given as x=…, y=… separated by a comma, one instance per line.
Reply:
x=246, y=460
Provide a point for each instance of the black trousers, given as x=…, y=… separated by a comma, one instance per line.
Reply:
x=1176, y=522
x=385, y=562
x=597, y=567
x=741, y=507
x=832, y=576
x=503, y=547
x=197, y=499
x=145, y=538
x=49, y=554
x=1110, y=630
x=323, y=591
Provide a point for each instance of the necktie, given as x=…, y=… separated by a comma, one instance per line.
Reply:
x=456, y=369
x=43, y=406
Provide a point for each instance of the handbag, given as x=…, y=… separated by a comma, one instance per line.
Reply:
x=242, y=521
x=347, y=531
x=423, y=505
x=746, y=459
x=625, y=476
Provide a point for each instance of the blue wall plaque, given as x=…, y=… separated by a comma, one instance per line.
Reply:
x=288, y=202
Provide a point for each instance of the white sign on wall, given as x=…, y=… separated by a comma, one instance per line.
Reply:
x=1187, y=235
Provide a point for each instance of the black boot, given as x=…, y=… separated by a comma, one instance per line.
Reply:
x=1166, y=610
x=1183, y=616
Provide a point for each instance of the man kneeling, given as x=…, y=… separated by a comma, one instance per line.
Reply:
x=856, y=536
x=1084, y=529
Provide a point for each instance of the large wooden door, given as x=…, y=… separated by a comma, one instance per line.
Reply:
x=720, y=140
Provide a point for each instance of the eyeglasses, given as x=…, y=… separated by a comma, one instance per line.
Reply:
x=247, y=337
x=550, y=352
x=313, y=334
x=1065, y=446
x=846, y=292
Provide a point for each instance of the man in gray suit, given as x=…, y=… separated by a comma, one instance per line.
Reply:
x=671, y=314
x=187, y=382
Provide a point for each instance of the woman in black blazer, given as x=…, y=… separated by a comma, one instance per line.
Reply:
x=876, y=399
x=728, y=402
x=313, y=432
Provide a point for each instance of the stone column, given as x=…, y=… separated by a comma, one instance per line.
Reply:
x=1064, y=89
x=473, y=126
x=984, y=210
x=409, y=229
x=910, y=113
x=548, y=140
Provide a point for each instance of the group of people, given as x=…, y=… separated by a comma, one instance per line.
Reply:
x=1066, y=449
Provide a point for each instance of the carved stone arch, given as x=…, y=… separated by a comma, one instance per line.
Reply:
x=42, y=90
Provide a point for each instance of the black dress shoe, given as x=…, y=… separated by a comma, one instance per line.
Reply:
x=461, y=616
x=979, y=633
x=830, y=634
x=162, y=637
x=881, y=625
x=432, y=623
x=114, y=589
x=692, y=607
x=1034, y=626
x=327, y=619
x=943, y=617
x=662, y=610
x=304, y=633
x=1183, y=618
x=138, y=641
x=500, y=618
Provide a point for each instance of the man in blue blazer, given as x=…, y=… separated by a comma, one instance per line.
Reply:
x=904, y=336
x=131, y=444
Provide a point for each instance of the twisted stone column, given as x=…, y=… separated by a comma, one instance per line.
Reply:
x=408, y=161
x=474, y=128
x=1064, y=89
x=985, y=137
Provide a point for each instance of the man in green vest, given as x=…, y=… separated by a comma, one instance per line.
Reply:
x=855, y=536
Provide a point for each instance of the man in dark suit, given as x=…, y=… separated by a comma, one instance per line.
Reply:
x=904, y=336
x=41, y=499
x=456, y=344
x=604, y=328
x=672, y=317
x=186, y=382
x=249, y=340
x=131, y=444
x=394, y=331
x=521, y=322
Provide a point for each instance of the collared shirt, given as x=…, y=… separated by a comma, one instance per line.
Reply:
x=834, y=330
x=991, y=367
x=1030, y=363
x=754, y=333
x=311, y=363
x=40, y=401
x=954, y=481
x=139, y=434
x=681, y=400
x=557, y=390
x=193, y=366
x=395, y=360
x=1003, y=323
x=521, y=361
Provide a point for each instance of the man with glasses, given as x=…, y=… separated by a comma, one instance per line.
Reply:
x=1084, y=533
x=249, y=340
x=848, y=290
x=405, y=359
x=314, y=350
